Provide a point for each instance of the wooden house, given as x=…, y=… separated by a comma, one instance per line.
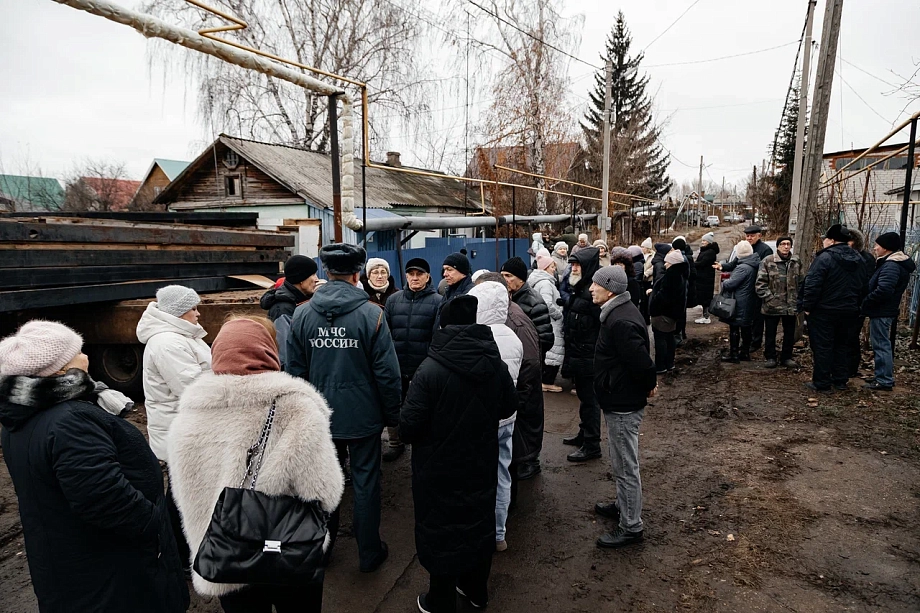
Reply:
x=160, y=174
x=287, y=183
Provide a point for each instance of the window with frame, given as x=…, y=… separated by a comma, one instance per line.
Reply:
x=233, y=186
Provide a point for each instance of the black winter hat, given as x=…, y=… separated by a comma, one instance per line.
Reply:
x=890, y=241
x=342, y=259
x=784, y=238
x=516, y=267
x=461, y=311
x=298, y=268
x=838, y=233
x=418, y=264
x=459, y=262
x=753, y=229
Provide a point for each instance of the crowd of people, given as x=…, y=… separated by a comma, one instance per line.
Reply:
x=458, y=373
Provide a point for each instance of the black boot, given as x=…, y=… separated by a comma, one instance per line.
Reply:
x=731, y=357
x=575, y=441
x=619, y=538
x=583, y=455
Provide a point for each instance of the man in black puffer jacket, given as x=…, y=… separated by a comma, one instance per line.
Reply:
x=515, y=273
x=624, y=379
x=582, y=325
x=298, y=287
x=831, y=297
x=411, y=314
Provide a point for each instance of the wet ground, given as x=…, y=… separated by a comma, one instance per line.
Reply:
x=756, y=499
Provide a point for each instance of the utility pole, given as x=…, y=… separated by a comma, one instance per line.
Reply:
x=800, y=128
x=754, y=197
x=699, y=196
x=817, y=128
x=605, y=182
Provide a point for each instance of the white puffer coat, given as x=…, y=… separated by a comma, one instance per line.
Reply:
x=175, y=356
x=220, y=417
x=492, y=311
x=545, y=285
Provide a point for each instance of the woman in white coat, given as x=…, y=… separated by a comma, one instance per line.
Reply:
x=175, y=356
x=492, y=311
x=220, y=418
x=543, y=280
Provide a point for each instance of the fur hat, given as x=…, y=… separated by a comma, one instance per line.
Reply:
x=299, y=268
x=177, y=300
x=373, y=263
x=890, y=241
x=674, y=257
x=612, y=278
x=418, y=264
x=544, y=262
x=838, y=233
x=342, y=259
x=516, y=267
x=458, y=262
x=39, y=349
x=461, y=311
x=744, y=249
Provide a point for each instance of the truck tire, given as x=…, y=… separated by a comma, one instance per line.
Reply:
x=121, y=367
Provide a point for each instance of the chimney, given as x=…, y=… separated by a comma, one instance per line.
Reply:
x=393, y=159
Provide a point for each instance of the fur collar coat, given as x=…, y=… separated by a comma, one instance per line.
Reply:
x=219, y=418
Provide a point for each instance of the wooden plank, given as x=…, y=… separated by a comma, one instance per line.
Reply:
x=33, y=258
x=68, y=277
x=18, y=300
x=28, y=231
x=203, y=218
x=123, y=246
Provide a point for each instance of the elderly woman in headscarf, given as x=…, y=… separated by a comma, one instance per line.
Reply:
x=603, y=252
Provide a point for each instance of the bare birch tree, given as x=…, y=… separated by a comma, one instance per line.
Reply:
x=369, y=41
x=530, y=105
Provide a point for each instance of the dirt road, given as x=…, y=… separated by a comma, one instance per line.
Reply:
x=755, y=500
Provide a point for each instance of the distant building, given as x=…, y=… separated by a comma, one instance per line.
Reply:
x=99, y=194
x=882, y=211
x=26, y=194
x=286, y=183
x=160, y=174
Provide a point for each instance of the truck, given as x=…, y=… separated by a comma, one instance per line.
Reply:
x=98, y=272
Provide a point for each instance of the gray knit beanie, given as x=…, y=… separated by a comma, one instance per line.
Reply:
x=612, y=278
x=177, y=300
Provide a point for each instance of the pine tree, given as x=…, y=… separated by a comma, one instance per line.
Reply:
x=638, y=162
x=777, y=201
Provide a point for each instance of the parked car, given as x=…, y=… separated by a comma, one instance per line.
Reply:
x=712, y=221
x=734, y=218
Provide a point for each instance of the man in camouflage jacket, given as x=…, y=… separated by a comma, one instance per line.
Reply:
x=778, y=287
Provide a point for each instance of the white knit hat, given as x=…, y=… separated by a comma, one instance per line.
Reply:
x=743, y=249
x=373, y=263
x=177, y=300
x=647, y=243
x=39, y=349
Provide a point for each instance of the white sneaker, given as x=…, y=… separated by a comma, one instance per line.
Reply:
x=702, y=320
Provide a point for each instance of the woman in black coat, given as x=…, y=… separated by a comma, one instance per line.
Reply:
x=450, y=416
x=667, y=305
x=705, y=285
x=90, y=490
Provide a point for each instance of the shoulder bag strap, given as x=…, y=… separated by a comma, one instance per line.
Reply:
x=256, y=453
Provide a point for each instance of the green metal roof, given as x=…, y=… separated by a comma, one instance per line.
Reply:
x=32, y=192
x=171, y=168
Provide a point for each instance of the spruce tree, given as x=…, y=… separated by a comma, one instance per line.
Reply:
x=777, y=201
x=638, y=162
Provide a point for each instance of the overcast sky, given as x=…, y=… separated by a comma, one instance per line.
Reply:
x=78, y=86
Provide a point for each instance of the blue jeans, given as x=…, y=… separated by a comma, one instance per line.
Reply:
x=880, y=336
x=623, y=438
x=503, y=493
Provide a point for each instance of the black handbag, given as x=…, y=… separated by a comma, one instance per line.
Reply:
x=258, y=538
x=722, y=307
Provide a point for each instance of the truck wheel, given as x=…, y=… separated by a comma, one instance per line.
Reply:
x=120, y=367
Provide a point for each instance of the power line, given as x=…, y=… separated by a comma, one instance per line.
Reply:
x=718, y=106
x=724, y=57
x=536, y=38
x=795, y=68
x=852, y=89
x=868, y=73
x=671, y=26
